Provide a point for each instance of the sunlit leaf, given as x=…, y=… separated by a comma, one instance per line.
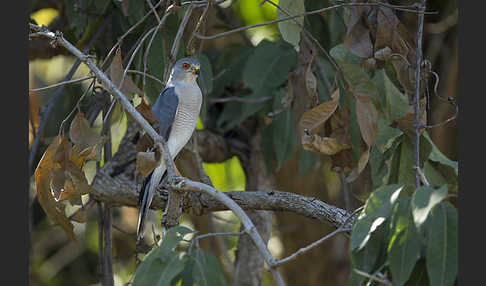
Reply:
x=405, y=243
x=442, y=243
x=377, y=209
x=424, y=199
x=43, y=175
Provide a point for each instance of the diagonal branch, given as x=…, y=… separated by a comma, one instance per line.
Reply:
x=179, y=183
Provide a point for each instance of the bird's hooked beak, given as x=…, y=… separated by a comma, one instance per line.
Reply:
x=196, y=70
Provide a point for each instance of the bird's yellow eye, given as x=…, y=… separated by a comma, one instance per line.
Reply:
x=186, y=66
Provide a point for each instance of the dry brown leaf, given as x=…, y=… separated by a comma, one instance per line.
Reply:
x=367, y=118
x=116, y=74
x=323, y=145
x=391, y=33
x=363, y=160
x=311, y=84
x=43, y=175
x=144, y=109
x=87, y=142
x=125, y=6
x=405, y=123
x=315, y=117
x=146, y=163
x=358, y=38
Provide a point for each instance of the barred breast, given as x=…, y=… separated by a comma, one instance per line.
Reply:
x=190, y=99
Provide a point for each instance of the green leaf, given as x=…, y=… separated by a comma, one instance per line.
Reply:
x=156, y=60
x=283, y=129
x=206, y=78
x=307, y=161
x=268, y=67
x=419, y=275
x=207, y=270
x=406, y=171
x=394, y=103
x=158, y=270
x=228, y=68
x=290, y=30
x=386, y=135
x=437, y=156
x=404, y=246
x=162, y=263
x=376, y=211
x=423, y=200
x=368, y=258
x=441, y=253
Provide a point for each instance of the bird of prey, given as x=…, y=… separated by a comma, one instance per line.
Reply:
x=177, y=110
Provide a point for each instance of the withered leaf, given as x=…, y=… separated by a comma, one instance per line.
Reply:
x=87, y=142
x=324, y=145
x=311, y=84
x=144, y=109
x=316, y=116
x=367, y=118
x=358, y=38
x=43, y=176
x=405, y=123
x=116, y=74
x=146, y=162
x=363, y=160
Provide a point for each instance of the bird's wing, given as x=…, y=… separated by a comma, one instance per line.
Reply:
x=164, y=110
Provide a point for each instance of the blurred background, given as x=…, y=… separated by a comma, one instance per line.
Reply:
x=55, y=260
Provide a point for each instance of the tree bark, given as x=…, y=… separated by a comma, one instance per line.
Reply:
x=249, y=262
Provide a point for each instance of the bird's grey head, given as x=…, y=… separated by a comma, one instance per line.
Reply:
x=185, y=69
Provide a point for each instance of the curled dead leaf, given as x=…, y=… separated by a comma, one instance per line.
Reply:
x=87, y=142
x=362, y=162
x=43, y=175
x=323, y=145
x=358, y=38
x=311, y=84
x=315, y=117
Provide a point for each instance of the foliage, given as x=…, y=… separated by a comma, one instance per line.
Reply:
x=360, y=120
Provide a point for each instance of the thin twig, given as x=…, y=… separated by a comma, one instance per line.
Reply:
x=46, y=110
x=63, y=83
x=189, y=50
x=185, y=184
x=179, y=183
x=303, y=250
x=422, y=176
x=126, y=34
x=108, y=84
x=373, y=277
x=177, y=40
x=147, y=75
x=305, y=14
x=239, y=99
x=147, y=50
x=416, y=101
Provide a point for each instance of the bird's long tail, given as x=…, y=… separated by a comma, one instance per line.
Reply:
x=145, y=198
